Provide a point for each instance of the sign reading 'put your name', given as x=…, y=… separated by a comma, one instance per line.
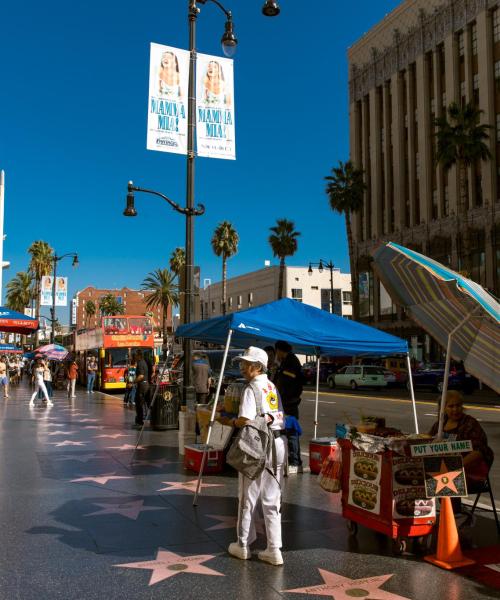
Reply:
x=440, y=448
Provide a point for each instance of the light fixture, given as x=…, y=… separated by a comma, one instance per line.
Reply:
x=228, y=40
x=310, y=270
x=320, y=268
x=130, y=209
x=75, y=262
x=271, y=9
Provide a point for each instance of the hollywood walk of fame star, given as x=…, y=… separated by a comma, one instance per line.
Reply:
x=55, y=424
x=125, y=447
x=67, y=443
x=229, y=522
x=157, y=462
x=342, y=588
x=101, y=479
x=79, y=458
x=62, y=433
x=131, y=509
x=445, y=478
x=93, y=427
x=88, y=420
x=168, y=564
x=112, y=435
x=189, y=486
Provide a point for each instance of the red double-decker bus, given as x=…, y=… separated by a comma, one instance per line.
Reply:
x=113, y=344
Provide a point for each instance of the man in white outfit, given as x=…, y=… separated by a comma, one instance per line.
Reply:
x=39, y=384
x=267, y=487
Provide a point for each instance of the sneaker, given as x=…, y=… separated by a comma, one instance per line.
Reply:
x=32, y=404
x=241, y=552
x=293, y=469
x=273, y=557
x=49, y=403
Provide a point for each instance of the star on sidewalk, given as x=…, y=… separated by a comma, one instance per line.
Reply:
x=168, y=564
x=88, y=420
x=55, y=424
x=131, y=509
x=93, y=427
x=342, y=588
x=79, y=458
x=101, y=479
x=188, y=486
x=112, y=435
x=445, y=478
x=125, y=447
x=67, y=443
x=157, y=462
x=62, y=433
x=225, y=522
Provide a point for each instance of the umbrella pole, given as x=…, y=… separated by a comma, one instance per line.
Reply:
x=212, y=418
x=447, y=373
x=412, y=393
x=318, y=361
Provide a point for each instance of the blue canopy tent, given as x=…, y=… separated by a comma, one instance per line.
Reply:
x=307, y=329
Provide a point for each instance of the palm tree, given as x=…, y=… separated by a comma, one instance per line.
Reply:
x=283, y=241
x=345, y=190
x=225, y=243
x=163, y=292
x=177, y=261
x=19, y=291
x=90, y=310
x=109, y=305
x=461, y=141
x=40, y=265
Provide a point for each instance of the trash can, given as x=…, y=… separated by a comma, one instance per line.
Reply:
x=165, y=410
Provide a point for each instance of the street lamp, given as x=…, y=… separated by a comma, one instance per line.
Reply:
x=321, y=266
x=55, y=260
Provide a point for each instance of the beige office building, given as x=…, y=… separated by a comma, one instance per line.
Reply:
x=402, y=75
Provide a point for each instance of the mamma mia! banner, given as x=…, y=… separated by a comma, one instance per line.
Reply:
x=168, y=99
x=215, y=107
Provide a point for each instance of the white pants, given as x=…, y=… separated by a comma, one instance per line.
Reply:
x=39, y=385
x=266, y=489
x=71, y=387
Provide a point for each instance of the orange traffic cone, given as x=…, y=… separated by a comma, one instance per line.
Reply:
x=449, y=554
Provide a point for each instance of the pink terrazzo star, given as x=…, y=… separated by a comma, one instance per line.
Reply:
x=158, y=463
x=88, y=420
x=113, y=436
x=79, y=458
x=168, y=564
x=93, y=427
x=67, y=443
x=131, y=509
x=101, y=479
x=342, y=588
x=62, y=433
x=225, y=522
x=125, y=447
x=188, y=486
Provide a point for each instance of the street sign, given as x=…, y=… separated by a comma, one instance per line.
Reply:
x=441, y=448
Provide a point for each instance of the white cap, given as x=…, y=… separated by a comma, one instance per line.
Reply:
x=254, y=354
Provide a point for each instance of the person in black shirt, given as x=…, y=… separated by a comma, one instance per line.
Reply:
x=141, y=381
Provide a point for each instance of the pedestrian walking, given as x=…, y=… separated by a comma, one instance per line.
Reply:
x=131, y=388
x=39, y=384
x=201, y=378
x=72, y=375
x=4, y=377
x=47, y=378
x=91, y=373
x=141, y=381
x=260, y=398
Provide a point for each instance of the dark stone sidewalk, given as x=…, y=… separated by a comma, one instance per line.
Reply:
x=79, y=522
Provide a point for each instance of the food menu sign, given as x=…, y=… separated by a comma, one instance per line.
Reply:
x=364, y=481
x=408, y=489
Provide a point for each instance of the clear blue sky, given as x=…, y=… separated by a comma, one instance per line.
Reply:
x=74, y=88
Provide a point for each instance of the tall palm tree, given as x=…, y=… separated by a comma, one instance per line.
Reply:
x=345, y=191
x=19, y=291
x=90, y=310
x=283, y=241
x=225, y=243
x=164, y=292
x=461, y=141
x=177, y=261
x=40, y=265
x=109, y=305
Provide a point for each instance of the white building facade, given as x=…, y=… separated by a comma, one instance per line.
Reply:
x=260, y=287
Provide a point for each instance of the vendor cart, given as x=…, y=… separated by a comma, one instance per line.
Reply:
x=384, y=491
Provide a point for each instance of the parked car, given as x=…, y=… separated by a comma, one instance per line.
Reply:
x=390, y=377
x=355, y=376
x=399, y=367
x=431, y=376
x=326, y=368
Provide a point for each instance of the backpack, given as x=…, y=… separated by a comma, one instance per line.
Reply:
x=252, y=446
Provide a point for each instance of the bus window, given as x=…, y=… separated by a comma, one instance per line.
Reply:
x=140, y=326
x=115, y=326
x=116, y=357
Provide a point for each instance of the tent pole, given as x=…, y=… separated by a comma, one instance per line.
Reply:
x=212, y=418
x=318, y=361
x=412, y=393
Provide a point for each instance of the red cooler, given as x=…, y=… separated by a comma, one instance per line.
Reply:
x=319, y=449
x=193, y=455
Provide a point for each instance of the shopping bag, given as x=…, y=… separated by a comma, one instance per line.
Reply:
x=330, y=475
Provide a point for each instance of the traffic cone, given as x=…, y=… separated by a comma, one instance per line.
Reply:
x=449, y=554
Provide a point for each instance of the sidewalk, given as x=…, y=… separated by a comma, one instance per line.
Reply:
x=79, y=522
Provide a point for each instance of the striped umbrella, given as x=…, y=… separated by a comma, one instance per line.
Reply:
x=53, y=351
x=457, y=312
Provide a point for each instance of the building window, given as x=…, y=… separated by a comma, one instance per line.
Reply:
x=443, y=99
x=250, y=298
x=213, y=307
x=496, y=25
x=462, y=90
x=498, y=126
x=473, y=31
x=446, y=201
x=475, y=82
x=461, y=44
x=366, y=294
x=230, y=302
x=434, y=204
x=239, y=301
x=297, y=294
x=433, y=106
x=347, y=297
x=314, y=287
x=417, y=165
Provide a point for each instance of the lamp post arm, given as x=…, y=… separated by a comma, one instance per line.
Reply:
x=185, y=211
x=226, y=12
x=58, y=258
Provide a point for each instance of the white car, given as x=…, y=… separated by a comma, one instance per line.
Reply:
x=356, y=376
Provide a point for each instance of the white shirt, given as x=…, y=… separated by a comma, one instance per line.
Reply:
x=271, y=402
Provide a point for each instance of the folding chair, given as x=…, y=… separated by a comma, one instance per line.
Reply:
x=483, y=488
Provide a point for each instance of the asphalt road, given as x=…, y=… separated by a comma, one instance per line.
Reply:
x=344, y=406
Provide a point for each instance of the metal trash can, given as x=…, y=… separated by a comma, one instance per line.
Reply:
x=165, y=411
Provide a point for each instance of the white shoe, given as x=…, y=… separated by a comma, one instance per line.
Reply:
x=49, y=403
x=292, y=469
x=73, y=396
x=241, y=552
x=273, y=557
x=32, y=404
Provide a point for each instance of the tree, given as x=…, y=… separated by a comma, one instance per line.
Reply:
x=461, y=141
x=90, y=310
x=283, y=241
x=19, y=291
x=163, y=292
x=225, y=244
x=345, y=190
x=177, y=261
x=40, y=265
x=109, y=305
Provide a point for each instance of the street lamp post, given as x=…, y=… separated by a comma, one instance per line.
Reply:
x=55, y=260
x=321, y=265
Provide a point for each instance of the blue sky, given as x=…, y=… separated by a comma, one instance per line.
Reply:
x=73, y=132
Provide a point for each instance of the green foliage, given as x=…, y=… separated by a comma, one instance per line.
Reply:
x=109, y=305
x=283, y=238
x=177, y=261
x=19, y=291
x=225, y=240
x=345, y=188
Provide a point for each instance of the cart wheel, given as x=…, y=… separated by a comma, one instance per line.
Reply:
x=352, y=526
x=399, y=545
